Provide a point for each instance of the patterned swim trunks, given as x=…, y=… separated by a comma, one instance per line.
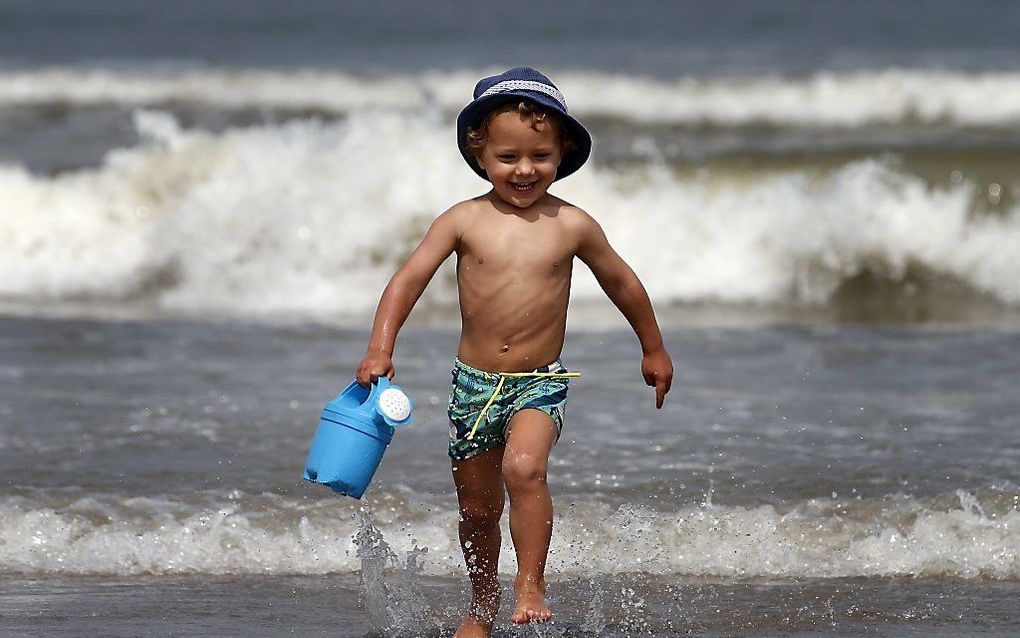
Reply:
x=471, y=394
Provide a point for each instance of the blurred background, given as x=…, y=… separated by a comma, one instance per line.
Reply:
x=768, y=160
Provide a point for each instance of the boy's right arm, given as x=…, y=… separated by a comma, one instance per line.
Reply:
x=403, y=291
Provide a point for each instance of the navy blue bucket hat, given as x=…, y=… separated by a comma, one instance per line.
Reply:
x=511, y=86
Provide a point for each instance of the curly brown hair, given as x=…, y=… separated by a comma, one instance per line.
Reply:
x=538, y=114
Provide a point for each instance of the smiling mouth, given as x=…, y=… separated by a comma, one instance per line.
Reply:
x=523, y=188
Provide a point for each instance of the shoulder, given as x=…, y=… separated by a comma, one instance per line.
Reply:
x=575, y=219
x=589, y=239
x=455, y=217
x=467, y=209
x=458, y=210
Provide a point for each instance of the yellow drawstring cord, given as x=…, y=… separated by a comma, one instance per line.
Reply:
x=499, y=386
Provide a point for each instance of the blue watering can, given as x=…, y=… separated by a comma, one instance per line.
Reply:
x=353, y=433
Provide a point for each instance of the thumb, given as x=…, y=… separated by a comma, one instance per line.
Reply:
x=649, y=378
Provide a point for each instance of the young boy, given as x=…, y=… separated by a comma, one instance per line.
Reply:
x=515, y=246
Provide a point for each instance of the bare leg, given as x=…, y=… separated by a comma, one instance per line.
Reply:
x=480, y=493
x=525, y=461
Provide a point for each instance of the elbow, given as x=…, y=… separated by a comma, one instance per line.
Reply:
x=405, y=285
x=620, y=287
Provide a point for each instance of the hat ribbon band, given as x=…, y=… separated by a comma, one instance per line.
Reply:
x=526, y=85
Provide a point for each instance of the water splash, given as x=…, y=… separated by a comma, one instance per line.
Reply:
x=594, y=620
x=634, y=612
x=393, y=599
x=970, y=503
x=538, y=630
x=707, y=504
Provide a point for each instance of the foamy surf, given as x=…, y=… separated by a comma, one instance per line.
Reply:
x=955, y=535
x=306, y=217
x=823, y=99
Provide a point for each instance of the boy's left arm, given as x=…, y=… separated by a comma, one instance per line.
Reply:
x=624, y=289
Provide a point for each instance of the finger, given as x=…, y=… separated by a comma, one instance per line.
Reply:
x=389, y=375
x=649, y=378
x=660, y=395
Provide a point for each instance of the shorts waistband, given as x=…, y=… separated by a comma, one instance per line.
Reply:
x=554, y=367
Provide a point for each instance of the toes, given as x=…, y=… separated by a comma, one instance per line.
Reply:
x=527, y=615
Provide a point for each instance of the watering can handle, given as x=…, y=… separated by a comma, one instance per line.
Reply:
x=375, y=389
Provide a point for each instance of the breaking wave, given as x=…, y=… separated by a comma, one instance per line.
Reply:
x=955, y=535
x=312, y=217
x=826, y=99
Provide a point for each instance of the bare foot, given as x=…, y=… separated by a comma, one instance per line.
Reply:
x=472, y=627
x=530, y=606
x=480, y=617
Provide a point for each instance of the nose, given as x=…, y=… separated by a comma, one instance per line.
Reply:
x=524, y=167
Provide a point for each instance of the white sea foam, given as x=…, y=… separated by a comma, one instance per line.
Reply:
x=824, y=99
x=309, y=219
x=950, y=536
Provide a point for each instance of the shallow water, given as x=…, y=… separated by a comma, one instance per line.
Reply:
x=329, y=606
x=801, y=481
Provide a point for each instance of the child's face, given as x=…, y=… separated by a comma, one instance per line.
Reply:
x=520, y=161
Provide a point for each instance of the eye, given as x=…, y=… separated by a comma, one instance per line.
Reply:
x=505, y=158
x=542, y=156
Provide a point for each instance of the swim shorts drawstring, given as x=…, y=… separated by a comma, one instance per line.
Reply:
x=499, y=386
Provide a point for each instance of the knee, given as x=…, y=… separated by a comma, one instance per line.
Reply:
x=523, y=471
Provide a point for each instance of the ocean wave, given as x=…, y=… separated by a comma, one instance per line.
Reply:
x=825, y=99
x=955, y=535
x=310, y=218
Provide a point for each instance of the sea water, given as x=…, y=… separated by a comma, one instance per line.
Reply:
x=798, y=479
x=199, y=207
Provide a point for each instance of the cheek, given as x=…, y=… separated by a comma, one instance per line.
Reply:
x=500, y=171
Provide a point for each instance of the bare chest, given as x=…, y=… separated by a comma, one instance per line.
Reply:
x=515, y=245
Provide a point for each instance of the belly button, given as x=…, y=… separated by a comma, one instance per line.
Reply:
x=505, y=348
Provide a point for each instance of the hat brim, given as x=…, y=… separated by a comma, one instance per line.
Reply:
x=473, y=114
